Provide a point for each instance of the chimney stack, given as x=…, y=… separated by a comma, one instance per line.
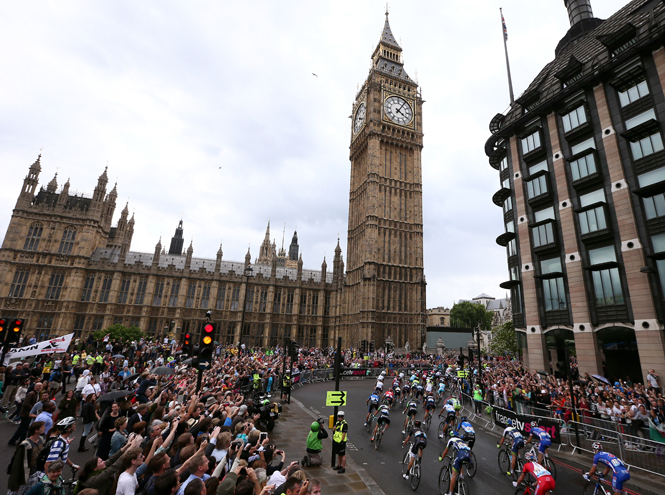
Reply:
x=578, y=10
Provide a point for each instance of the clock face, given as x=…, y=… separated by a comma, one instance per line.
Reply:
x=398, y=110
x=359, y=120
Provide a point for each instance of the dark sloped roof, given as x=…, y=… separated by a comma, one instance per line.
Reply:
x=589, y=56
x=392, y=68
x=387, y=35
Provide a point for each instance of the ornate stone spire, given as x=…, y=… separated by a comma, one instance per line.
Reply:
x=37, y=166
x=248, y=258
x=53, y=185
x=387, y=34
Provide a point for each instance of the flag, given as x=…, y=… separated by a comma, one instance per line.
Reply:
x=505, y=29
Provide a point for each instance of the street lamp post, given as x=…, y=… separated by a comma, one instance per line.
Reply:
x=247, y=273
x=480, y=368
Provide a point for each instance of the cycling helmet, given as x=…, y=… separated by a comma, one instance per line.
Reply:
x=416, y=424
x=66, y=423
x=401, y=375
x=597, y=447
x=463, y=418
x=383, y=373
x=449, y=402
x=380, y=378
x=384, y=407
x=529, y=456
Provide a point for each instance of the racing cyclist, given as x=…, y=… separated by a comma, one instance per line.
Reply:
x=373, y=402
x=378, y=388
x=430, y=406
x=419, y=444
x=450, y=416
x=545, y=441
x=411, y=410
x=544, y=481
x=517, y=443
x=406, y=390
x=419, y=389
x=442, y=388
x=612, y=462
x=389, y=397
x=462, y=455
x=466, y=432
x=383, y=418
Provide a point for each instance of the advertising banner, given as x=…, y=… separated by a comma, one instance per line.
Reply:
x=58, y=344
x=295, y=377
x=355, y=372
x=524, y=423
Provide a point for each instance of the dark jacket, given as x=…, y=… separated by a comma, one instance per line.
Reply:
x=30, y=400
x=104, y=481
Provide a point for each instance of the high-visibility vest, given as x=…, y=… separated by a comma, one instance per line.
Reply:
x=287, y=381
x=338, y=436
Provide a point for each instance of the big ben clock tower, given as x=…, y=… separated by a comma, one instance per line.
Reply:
x=384, y=291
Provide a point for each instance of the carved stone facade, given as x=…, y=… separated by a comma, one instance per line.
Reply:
x=64, y=268
x=384, y=293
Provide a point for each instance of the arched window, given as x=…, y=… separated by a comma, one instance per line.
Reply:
x=34, y=234
x=67, y=242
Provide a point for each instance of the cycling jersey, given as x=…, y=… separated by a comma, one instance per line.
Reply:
x=390, y=394
x=466, y=428
x=379, y=385
x=430, y=404
x=442, y=387
x=412, y=409
x=384, y=417
x=621, y=473
x=461, y=452
x=545, y=439
x=429, y=387
x=374, y=399
x=457, y=405
x=419, y=440
x=450, y=410
x=544, y=479
x=517, y=439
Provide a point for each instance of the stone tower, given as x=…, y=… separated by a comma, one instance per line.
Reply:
x=177, y=241
x=384, y=293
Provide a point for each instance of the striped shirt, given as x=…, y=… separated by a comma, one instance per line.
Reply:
x=59, y=451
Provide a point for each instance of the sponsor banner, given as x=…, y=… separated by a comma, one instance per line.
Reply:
x=356, y=372
x=57, y=345
x=524, y=423
x=295, y=378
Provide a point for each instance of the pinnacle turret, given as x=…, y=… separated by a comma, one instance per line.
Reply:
x=53, y=185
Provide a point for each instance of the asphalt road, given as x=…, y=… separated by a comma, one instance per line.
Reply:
x=384, y=464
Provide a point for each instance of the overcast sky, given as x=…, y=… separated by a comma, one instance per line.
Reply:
x=209, y=110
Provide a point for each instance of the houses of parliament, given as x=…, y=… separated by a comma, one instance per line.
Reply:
x=65, y=268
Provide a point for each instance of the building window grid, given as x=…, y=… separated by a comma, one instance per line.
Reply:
x=124, y=291
x=221, y=296
x=592, y=220
x=44, y=324
x=631, y=95
x=79, y=322
x=34, y=235
x=326, y=308
x=574, y=119
x=277, y=303
x=19, y=283
x=249, y=300
x=537, y=187
x=543, y=235
x=554, y=294
x=235, y=297
x=512, y=248
x=289, y=302
x=105, y=290
x=87, y=288
x=315, y=304
x=531, y=142
x=606, y=282
x=67, y=242
x=191, y=293
x=654, y=206
x=140, y=291
x=583, y=166
x=97, y=323
x=303, y=304
x=508, y=204
x=159, y=293
x=205, y=296
x=55, y=285
x=263, y=301
x=175, y=291
x=647, y=146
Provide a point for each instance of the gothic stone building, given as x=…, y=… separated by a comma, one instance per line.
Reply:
x=64, y=268
x=384, y=293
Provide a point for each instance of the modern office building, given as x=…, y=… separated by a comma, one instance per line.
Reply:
x=582, y=173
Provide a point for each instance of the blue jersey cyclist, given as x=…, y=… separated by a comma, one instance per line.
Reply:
x=373, y=402
x=516, y=439
x=466, y=432
x=612, y=462
x=383, y=418
x=411, y=410
x=544, y=438
x=462, y=456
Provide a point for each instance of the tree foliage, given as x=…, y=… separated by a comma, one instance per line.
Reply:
x=471, y=315
x=504, y=339
x=119, y=332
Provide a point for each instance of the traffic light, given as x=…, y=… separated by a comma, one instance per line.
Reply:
x=371, y=347
x=207, y=338
x=363, y=349
x=3, y=329
x=186, y=343
x=293, y=349
x=14, y=331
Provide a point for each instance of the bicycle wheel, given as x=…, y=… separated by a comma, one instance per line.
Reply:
x=550, y=466
x=590, y=489
x=444, y=479
x=405, y=462
x=472, y=466
x=440, y=430
x=415, y=475
x=504, y=461
x=462, y=489
x=521, y=490
x=377, y=439
x=428, y=423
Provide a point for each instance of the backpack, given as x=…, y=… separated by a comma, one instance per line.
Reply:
x=43, y=454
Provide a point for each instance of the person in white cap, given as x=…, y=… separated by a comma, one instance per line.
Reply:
x=339, y=442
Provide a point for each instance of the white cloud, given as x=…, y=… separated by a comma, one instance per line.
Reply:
x=170, y=91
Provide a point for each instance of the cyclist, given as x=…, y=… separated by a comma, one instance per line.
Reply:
x=544, y=481
x=419, y=444
x=60, y=448
x=462, y=455
x=389, y=397
x=442, y=388
x=612, y=462
x=430, y=405
x=466, y=432
x=419, y=389
x=383, y=418
x=373, y=402
x=450, y=416
x=410, y=410
x=378, y=388
x=545, y=441
x=406, y=390
x=396, y=382
x=398, y=393
x=517, y=441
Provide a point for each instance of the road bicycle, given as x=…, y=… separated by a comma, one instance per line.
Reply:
x=504, y=458
x=526, y=488
x=547, y=462
x=428, y=422
x=596, y=487
x=370, y=423
x=69, y=486
x=409, y=427
x=379, y=435
x=414, y=474
x=444, y=478
x=442, y=424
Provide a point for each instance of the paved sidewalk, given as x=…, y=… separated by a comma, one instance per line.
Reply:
x=290, y=434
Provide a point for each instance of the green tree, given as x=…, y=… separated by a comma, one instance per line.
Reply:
x=119, y=332
x=471, y=315
x=504, y=339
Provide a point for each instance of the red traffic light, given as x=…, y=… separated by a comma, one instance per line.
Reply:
x=16, y=326
x=208, y=328
x=187, y=338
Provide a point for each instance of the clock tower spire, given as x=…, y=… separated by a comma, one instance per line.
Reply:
x=384, y=292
